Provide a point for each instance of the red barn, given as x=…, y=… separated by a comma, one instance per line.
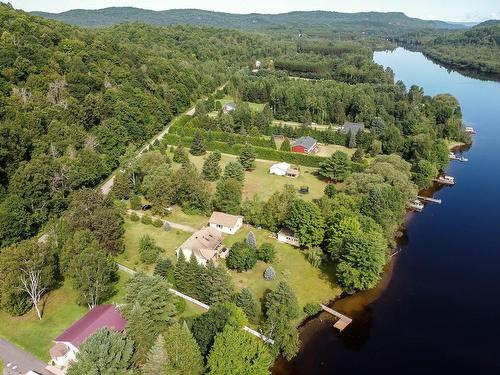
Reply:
x=305, y=145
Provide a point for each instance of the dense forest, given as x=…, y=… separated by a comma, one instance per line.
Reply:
x=372, y=22
x=72, y=101
x=476, y=50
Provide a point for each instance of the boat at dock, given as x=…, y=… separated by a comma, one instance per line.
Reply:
x=453, y=156
x=470, y=130
x=445, y=180
x=416, y=205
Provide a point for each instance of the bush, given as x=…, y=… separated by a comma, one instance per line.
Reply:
x=135, y=202
x=148, y=251
x=134, y=217
x=146, y=219
x=266, y=252
x=180, y=305
x=312, y=309
x=242, y=257
x=158, y=223
x=330, y=190
x=269, y=273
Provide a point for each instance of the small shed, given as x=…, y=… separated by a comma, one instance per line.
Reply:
x=286, y=235
x=305, y=145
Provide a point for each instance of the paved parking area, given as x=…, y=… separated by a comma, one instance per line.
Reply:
x=19, y=362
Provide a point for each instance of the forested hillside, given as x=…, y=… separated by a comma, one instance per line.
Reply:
x=72, y=101
x=476, y=49
x=374, y=22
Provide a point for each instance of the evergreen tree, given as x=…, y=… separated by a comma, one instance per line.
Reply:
x=234, y=170
x=148, y=251
x=251, y=240
x=105, y=352
x=244, y=299
x=180, y=273
x=194, y=272
x=228, y=196
x=247, y=157
x=236, y=352
x=285, y=145
x=216, y=283
x=156, y=360
x=336, y=167
x=198, y=145
x=183, y=353
x=180, y=155
x=211, y=170
x=164, y=268
x=330, y=190
x=358, y=155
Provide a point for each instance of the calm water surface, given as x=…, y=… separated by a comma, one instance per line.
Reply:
x=438, y=309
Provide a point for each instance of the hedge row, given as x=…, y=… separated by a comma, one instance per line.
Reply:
x=260, y=152
x=212, y=135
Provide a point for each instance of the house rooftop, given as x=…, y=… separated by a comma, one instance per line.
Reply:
x=204, y=243
x=224, y=219
x=286, y=232
x=102, y=316
x=307, y=142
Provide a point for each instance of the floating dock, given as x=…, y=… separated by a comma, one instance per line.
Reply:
x=444, y=181
x=452, y=156
x=429, y=199
x=342, y=322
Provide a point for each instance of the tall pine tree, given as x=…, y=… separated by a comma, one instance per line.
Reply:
x=211, y=170
x=247, y=157
x=198, y=145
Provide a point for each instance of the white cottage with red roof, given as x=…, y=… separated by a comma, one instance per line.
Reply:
x=67, y=343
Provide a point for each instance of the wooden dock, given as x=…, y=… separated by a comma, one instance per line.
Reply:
x=342, y=322
x=444, y=181
x=429, y=199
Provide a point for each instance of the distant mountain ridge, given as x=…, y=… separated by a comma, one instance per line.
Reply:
x=366, y=21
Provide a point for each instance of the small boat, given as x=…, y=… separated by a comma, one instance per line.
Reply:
x=452, y=156
x=470, y=130
x=445, y=180
x=416, y=205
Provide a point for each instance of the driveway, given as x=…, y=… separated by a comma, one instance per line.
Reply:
x=19, y=362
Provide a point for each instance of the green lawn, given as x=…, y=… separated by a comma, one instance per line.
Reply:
x=255, y=107
x=59, y=312
x=310, y=284
x=169, y=241
x=260, y=182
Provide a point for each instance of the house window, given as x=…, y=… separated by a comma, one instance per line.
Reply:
x=219, y=226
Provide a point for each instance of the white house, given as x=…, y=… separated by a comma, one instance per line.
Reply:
x=279, y=169
x=67, y=343
x=204, y=245
x=284, y=169
x=225, y=223
x=286, y=235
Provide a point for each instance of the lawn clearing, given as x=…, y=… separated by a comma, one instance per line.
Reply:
x=59, y=312
x=311, y=285
x=260, y=182
x=134, y=230
x=328, y=150
x=255, y=107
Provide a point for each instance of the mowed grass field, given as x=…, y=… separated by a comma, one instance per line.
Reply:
x=59, y=312
x=311, y=285
x=260, y=182
x=134, y=230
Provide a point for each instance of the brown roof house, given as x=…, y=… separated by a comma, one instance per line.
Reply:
x=67, y=343
x=225, y=223
x=204, y=245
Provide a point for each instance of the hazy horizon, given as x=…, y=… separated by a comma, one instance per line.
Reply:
x=452, y=11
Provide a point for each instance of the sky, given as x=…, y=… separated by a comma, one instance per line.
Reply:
x=448, y=10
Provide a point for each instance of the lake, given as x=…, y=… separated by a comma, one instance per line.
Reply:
x=438, y=308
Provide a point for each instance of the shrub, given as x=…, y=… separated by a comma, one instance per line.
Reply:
x=146, y=219
x=241, y=257
x=269, y=273
x=180, y=305
x=266, y=252
x=135, y=202
x=148, y=251
x=312, y=309
x=134, y=217
x=157, y=223
x=330, y=190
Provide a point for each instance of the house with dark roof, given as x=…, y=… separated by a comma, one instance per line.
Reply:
x=67, y=343
x=352, y=127
x=305, y=145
